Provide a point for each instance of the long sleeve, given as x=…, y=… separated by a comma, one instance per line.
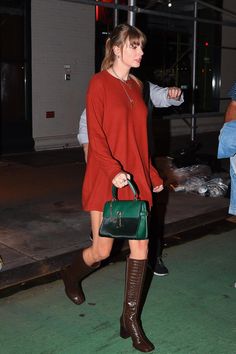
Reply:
x=98, y=144
x=160, y=99
x=117, y=132
x=82, y=135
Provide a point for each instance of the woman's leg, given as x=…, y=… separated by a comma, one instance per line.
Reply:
x=86, y=261
x=138, y=249
x=101, y=246
x=130, y=322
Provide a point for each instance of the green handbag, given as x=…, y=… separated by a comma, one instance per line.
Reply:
x=125, y=218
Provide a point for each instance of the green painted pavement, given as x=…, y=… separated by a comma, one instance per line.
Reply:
x=191, y=311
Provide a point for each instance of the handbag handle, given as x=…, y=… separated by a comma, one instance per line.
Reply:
x=132, y=187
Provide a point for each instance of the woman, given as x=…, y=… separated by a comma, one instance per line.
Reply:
x=118, y=149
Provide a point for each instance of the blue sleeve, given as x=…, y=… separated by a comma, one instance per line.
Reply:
x=232, y=92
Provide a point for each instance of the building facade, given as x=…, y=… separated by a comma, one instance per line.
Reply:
x=46, y=70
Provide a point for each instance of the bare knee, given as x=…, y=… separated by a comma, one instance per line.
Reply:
x=138, y=249
x=101, y=247
x=102, y=252
x=95, y=254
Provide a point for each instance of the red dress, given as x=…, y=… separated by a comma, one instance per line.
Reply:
x=117, y=131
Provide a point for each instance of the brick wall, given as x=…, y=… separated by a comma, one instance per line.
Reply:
x=63, y=33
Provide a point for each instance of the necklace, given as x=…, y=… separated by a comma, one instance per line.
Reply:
x=124, y=85
x=118, y=77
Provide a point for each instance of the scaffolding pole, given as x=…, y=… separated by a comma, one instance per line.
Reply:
x=137, y=9
x=116, y=14
x=132, y=12
x=193, y=117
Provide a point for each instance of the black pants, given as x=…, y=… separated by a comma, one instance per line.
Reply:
x=157, y=225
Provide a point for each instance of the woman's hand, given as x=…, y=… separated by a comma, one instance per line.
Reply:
x=120, y=180
x=158, y=189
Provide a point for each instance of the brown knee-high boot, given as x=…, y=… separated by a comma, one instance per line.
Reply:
x=73, y=275
x=130, y=323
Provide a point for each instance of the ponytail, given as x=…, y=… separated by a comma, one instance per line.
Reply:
x=109, y=56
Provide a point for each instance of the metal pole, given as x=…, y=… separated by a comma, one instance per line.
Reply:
x=131, y=12
x=193, y=119
x=116, y=13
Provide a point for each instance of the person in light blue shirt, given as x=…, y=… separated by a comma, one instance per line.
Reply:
x=227, y=145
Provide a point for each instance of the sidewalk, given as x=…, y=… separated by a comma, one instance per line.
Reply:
x=191, y=311
x=42, y=223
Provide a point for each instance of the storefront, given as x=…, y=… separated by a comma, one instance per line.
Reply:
x=190, y=44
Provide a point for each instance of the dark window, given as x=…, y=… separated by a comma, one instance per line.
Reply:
x=168, y=56
x=16, y=129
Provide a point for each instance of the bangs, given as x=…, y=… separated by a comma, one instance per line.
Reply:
x=136, y=37
x=137, y=42
x=125, y=31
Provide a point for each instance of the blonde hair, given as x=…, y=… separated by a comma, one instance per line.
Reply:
x=118, y=38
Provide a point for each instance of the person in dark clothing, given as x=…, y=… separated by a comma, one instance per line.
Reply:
x=154, y=96
x=156, y=245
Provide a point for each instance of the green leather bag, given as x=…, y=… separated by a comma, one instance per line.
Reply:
x=125, y=218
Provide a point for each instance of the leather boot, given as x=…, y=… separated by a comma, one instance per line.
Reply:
x=130, y=323
x=73, y=275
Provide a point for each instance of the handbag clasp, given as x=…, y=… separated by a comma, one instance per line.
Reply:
x=119, y=218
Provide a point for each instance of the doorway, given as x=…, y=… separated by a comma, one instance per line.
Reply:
x=16, y=122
